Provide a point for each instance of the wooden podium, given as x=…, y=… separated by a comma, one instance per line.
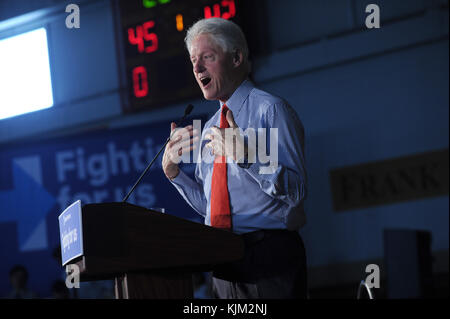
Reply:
x=150, y=254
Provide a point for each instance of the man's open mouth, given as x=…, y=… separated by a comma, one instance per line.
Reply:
x=205, y=81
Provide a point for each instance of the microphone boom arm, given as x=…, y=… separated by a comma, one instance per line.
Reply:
x=186, y=113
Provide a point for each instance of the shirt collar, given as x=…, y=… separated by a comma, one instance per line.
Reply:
x=239, y=96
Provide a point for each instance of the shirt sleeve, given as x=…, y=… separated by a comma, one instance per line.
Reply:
x=283, y=177
x=191, y=191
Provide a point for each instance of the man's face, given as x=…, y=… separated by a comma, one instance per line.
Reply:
x=213, y=68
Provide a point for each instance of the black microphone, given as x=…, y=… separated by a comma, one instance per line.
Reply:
x=187, y=111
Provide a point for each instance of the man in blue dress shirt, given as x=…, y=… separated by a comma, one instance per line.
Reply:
x=264, y=198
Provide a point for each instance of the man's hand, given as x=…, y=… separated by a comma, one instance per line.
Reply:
x=181, y=140
x=230, y=144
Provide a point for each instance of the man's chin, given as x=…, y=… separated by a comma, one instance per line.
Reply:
x=209, y=97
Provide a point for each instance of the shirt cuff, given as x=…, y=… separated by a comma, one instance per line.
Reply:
x=180, y=179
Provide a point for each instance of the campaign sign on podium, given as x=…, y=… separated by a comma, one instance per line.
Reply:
x=70, y=232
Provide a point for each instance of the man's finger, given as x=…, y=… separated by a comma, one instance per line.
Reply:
x=184, y=143
x=182, y=131
x=215, y=147
x=230, y=119
x=174, y=141
x=216, y=131
x=211, y=145
x=185, y=149
x=215, y=128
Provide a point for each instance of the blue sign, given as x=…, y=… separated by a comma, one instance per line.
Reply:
x=71, y=232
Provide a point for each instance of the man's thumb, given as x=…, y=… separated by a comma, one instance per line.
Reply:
x=230, y=119
x=173, y=126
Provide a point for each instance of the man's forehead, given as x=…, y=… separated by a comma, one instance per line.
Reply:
x=204, y=42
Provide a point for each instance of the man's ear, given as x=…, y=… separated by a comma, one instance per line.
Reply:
x=238, y=58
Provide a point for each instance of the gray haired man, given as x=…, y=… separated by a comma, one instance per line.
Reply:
x=231, y=190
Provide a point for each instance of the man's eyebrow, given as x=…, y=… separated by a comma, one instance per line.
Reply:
x=204, y=52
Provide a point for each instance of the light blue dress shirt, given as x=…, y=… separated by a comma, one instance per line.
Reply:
x=257, y=201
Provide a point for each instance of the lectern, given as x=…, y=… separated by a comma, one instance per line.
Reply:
x=148, y=253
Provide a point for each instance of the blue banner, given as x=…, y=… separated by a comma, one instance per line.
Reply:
x=40, y=180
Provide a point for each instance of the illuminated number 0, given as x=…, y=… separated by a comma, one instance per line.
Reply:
x=140, y=82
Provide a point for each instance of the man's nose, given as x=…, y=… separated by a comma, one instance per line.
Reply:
x=199, y=67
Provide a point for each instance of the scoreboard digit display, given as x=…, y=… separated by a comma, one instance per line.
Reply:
x=156, y=63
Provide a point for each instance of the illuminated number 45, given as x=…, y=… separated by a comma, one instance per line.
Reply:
x=141, y=34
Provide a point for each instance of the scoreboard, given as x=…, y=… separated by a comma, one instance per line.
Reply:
x=156, y=65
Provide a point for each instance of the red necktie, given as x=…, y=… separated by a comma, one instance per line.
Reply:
x=220, y=201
